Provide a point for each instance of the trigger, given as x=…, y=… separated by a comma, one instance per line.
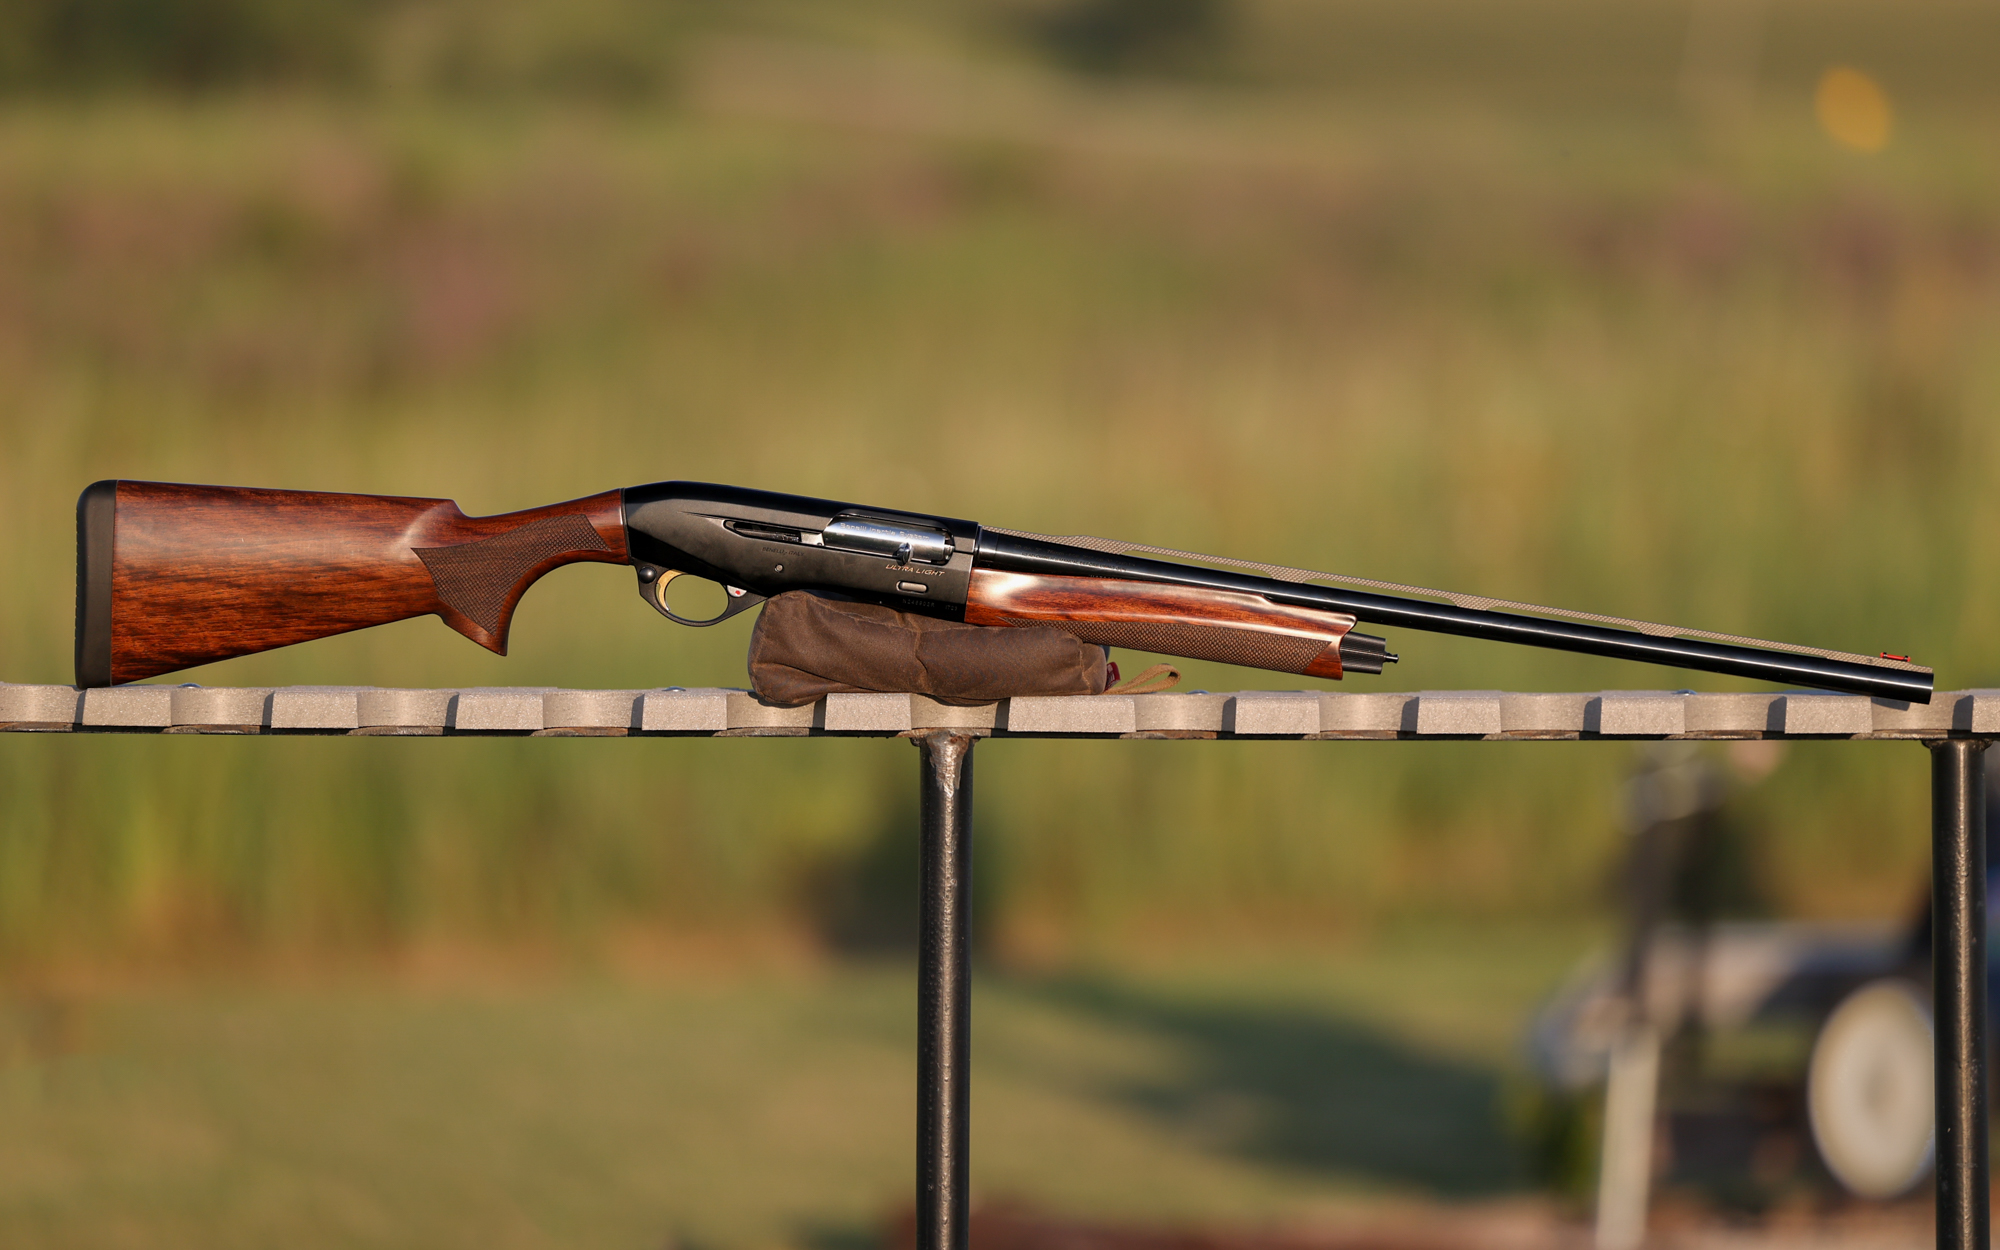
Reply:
x=653, y=581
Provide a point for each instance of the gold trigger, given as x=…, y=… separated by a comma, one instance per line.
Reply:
x=653, y=589
x=660, y=586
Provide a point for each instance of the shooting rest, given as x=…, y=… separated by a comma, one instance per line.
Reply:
x=1957, y=726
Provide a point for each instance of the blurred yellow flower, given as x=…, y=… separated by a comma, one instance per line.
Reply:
x=1853, y=109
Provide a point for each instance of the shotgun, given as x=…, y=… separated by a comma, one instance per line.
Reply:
x=171, y=576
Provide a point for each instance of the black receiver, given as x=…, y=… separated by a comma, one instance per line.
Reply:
x=758, y=543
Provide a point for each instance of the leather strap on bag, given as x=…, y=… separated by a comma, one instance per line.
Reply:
x=1155, y=679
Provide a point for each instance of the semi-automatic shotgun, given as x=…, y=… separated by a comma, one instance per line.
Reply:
x=171, y=576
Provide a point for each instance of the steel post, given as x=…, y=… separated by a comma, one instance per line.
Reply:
x=944, y=992
x=1958, y=957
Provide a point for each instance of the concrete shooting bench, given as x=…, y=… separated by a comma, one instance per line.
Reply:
x=1956, y=727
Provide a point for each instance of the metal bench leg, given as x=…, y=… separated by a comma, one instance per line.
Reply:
x=944, y=992
x=1958, y=954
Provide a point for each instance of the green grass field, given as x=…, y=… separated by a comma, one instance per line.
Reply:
x=1746, y=393
x=760, y=1110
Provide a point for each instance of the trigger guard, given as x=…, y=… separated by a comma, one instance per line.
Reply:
x=653, y=591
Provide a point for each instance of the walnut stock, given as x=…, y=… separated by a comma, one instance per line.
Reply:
x=171, y=576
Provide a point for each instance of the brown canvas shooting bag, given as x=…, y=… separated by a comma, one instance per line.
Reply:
x=808, y=645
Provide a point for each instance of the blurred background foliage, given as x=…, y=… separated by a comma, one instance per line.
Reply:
x=1553, y=300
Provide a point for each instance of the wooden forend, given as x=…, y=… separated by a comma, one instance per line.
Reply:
x=1200, y=624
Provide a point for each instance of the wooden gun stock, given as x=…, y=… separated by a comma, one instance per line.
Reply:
x=171, y=576
x=1191, y=621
